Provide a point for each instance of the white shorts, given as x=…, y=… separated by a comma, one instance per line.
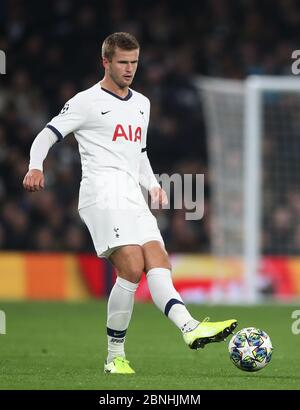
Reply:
x=113, y=228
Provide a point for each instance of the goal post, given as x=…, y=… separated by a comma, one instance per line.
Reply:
x=252, y=135
x=252, y=186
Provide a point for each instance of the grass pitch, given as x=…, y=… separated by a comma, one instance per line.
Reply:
x=63, y=346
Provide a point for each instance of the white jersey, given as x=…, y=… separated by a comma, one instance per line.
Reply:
x=111, y=133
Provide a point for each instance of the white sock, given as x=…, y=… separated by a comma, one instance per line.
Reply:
x=168, y=300
x=119, y=310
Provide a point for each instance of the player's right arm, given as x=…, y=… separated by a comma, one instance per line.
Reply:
x=34, y=179
x=71, y=118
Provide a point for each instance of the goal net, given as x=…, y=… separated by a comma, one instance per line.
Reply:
x=253, y=136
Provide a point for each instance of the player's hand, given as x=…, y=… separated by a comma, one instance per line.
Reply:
x=34, y=180
x=158, y=195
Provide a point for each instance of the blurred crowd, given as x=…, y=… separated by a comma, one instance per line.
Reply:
x=53, y=51
x=281, y=194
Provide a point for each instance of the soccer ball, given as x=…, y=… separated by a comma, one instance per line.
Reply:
x=250, y=349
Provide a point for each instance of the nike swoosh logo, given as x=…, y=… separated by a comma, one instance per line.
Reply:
x=105, y=112
x=142, y=112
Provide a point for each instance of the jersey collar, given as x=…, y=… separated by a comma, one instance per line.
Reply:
x=128, y=96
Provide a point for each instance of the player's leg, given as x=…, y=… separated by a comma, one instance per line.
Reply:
x=163, y=293
x=128, y=261
x=168, y=300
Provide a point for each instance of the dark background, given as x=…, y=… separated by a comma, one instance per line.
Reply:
x=53, y=51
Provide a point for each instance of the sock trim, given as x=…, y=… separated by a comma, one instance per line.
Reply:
x=158, y=271
x=170, y=304
x=125, y=284
x=116, y=333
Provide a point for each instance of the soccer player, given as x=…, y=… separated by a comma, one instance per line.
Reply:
x=109, y=121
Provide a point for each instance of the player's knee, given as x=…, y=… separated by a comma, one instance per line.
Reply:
x=135, y=268
x=166, y=260
x=134, y=274
x=156, y=256
x=129, y=262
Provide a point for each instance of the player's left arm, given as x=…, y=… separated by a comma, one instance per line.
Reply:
x=148, y=181
x=147, y=178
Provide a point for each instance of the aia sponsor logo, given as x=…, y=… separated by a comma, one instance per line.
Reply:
x=129, y=133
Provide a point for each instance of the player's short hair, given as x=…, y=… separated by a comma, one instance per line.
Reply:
x=124, y=41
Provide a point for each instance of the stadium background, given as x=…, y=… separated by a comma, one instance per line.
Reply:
x=53, y=50
x=53, y=55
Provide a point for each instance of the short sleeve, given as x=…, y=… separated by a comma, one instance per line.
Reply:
x=71, y=118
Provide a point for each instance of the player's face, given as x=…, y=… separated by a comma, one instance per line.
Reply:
x=123, y=66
